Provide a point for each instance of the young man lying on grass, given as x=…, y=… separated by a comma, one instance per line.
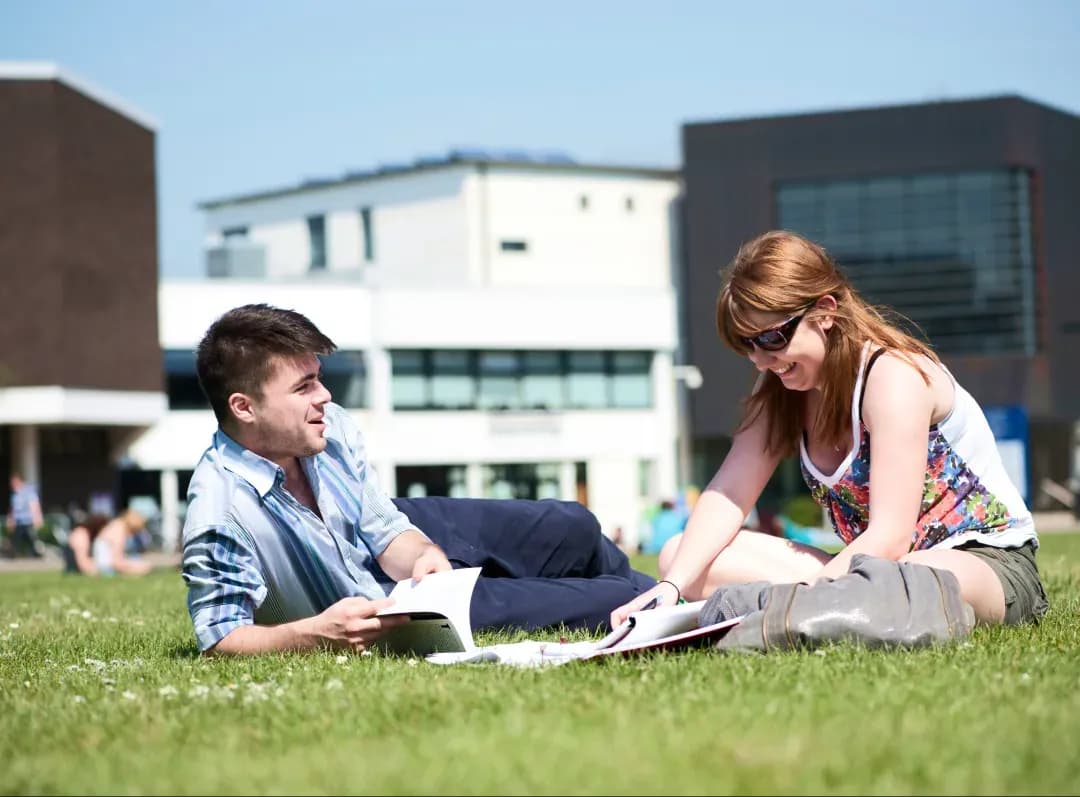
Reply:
x=289, y=543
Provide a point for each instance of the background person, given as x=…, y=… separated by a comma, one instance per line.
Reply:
x=667, y=523
x=102, y=546
x=24, y=516
x=900, y=455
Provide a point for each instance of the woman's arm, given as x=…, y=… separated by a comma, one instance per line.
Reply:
x=717, y=516
x=728, y=498
x=897, y=409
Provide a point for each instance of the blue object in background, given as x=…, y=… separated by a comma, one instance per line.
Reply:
x=1009, y=423
x=667, y=523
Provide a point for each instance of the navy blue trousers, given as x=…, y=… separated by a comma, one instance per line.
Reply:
x=544, y=563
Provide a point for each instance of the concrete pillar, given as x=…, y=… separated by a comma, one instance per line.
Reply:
x=567, y=481
x=170, y=511
x=474, y=480
x=386, y=473
x=667, y=422
x=26, y=454
x=379, y=376
x=381, y=404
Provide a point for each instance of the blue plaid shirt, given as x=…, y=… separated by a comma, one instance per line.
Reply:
x=22, y=505
x=254, y=554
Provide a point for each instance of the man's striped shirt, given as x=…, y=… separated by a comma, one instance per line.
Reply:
x=254, y=554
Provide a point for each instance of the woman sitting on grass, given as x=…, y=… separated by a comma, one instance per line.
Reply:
x=99, y=546
x=899, y=454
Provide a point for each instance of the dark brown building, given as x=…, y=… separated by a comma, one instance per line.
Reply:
x=80, y=362
x=961, y=215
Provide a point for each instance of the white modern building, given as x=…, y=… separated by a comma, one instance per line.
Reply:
x=506, y=326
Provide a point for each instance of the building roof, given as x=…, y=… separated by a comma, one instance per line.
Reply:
x=42, y=70
x=1000, y=99
x=515, y=159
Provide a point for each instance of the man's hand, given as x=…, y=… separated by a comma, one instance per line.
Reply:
x=431, y=560
x=351, y=623
x=412, y=555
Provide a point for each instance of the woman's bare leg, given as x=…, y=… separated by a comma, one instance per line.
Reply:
x=751, y=556
x=979, y=584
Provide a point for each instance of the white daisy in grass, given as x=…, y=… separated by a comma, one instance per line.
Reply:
x=257, y=692
x=168, y=691
x=199, y=691
x=334, y=684
x=13, y=625
x=225, y=692
x=128, y=695
x=78, y=699
x=341, y=659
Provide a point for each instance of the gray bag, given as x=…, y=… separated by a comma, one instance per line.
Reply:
x=877, y=603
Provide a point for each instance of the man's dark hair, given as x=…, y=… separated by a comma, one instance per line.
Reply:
x=237, y=352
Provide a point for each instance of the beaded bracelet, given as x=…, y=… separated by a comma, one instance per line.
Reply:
x=678, y=592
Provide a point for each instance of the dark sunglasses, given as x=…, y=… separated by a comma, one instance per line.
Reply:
x=775, y=338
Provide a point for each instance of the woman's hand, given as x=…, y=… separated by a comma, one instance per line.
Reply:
x=664, y=594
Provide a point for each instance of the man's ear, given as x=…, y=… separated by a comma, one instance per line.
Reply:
x=242, y=408
x=826, y=305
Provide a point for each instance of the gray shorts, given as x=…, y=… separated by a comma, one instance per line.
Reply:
x=1025, y=598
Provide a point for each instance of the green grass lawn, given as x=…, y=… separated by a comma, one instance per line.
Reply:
x=102, y=691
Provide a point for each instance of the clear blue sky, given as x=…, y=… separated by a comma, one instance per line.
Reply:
x=251, y=95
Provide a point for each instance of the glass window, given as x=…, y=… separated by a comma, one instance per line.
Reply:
x=344, y=375
x=368, y=232
x=317, y=239
x=631, y=384
x=542, y=380
x=586, y=379
x=409, y=392
x=514, y=481
x=408, y=386
x=418, y=481
x=952, y=252
x=547, y=480
x=453, y=385
x=646, y=477
x=182, y=382
x=499, y=386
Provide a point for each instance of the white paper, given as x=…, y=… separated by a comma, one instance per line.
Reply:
x=437, y=595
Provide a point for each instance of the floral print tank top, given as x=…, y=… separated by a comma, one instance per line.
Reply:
x=960, y=502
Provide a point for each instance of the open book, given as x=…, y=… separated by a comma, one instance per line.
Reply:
x=663, y=628
x=438, y=610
